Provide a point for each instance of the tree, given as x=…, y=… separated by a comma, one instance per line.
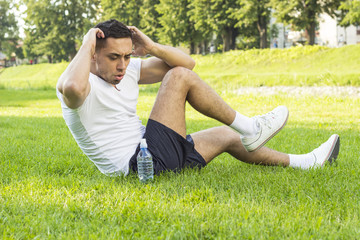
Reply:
x=248, y=12
x=8, y=28
x=176, y=26
x=127, y=12
x=215, y=16
x=149, y=22
x=201, y=15
x=55, y=27
x=351, y=8
x=224, y=23
x=303, y=14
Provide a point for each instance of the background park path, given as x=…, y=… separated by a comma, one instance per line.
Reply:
x=336, y=91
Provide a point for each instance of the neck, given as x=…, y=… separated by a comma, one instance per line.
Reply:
x=93, y=68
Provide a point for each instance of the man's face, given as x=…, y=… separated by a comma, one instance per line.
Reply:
x=112, y=59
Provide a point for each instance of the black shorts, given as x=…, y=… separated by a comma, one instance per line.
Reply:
x=170, y=151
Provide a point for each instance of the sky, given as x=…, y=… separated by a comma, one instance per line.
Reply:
x=19, y=14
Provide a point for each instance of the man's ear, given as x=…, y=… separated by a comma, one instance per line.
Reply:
x=93, y=57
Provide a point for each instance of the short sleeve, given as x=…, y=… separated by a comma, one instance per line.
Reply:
x=135, y=68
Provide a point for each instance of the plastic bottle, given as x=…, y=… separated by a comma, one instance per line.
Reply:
x=145, y=163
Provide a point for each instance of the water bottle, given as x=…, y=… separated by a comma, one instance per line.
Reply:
x=145, y=163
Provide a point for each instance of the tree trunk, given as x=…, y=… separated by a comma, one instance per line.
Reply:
x=311, y=16
x=192, y=47
x=311, y=33
x=227, y=36
x=205, y=47
x=262, y=28
x=233, y=38
x=198, y=48
x=49, y=58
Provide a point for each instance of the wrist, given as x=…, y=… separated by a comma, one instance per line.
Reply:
x=88, y=48
x=155, y=50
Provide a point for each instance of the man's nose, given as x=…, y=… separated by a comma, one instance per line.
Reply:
x=120, y=65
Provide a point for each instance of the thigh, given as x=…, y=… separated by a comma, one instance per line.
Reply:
x=169, y=106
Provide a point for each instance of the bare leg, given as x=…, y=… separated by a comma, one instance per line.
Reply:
x=214, y=141
x=179, y=85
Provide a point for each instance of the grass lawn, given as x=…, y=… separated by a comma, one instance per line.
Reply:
x=50, y=190
x=299, y=66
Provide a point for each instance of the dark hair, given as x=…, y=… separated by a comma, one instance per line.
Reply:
x=112, y=28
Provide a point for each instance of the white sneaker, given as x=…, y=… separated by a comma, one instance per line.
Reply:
x=328, y=151
x=269, y=124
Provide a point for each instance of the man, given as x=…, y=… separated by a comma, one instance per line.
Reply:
x=99, y=90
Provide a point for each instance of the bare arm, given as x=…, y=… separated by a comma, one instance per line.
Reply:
x=165, y=57
x=74, y=82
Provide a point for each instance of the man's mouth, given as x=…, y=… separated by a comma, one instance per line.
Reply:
x=119, y=77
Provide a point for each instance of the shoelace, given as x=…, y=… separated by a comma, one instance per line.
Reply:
x=266, y=119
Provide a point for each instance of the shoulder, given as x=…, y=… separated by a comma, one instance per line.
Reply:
x=135, y=64
x=134, y=68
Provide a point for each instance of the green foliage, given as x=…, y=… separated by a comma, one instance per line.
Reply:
x=124, y=11
x=304, y=14
x=8, y=28
x=224, y=24
x=250, y=12
x=352, y=9
x=149, y=22
x=176, y=25
x=215, y=16
x=55, y=28
x=202, y=14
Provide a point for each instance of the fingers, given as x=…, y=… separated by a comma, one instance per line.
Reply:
x=99, y=33
x=133, y=28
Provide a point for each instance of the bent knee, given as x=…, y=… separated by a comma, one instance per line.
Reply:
x=180, y=73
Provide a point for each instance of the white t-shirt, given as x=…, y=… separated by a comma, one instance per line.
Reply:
x=106, y=126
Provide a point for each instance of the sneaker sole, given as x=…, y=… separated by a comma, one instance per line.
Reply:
x=266, y=140
x=334, y=152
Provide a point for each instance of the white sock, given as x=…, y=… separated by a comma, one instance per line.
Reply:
x=244, y=125
x=303, y=161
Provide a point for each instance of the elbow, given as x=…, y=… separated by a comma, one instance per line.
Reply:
x=192, y=64
x=72, y=89
x=74, y=95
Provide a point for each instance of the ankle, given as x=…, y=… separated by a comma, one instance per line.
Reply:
x=244, y=125
x=303, y=161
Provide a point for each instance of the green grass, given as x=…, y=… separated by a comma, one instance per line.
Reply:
x=38, y=76
x=50, y=190
x=299, y=66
